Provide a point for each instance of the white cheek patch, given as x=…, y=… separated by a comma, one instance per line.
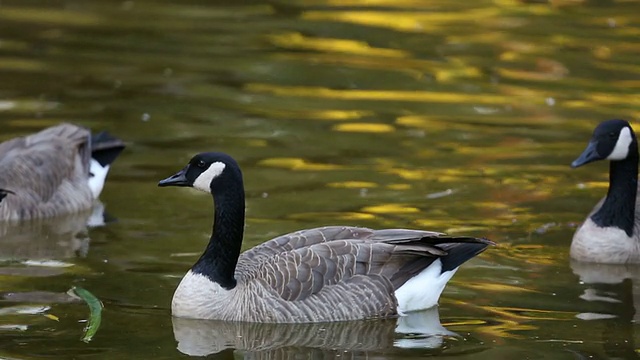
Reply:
x=621, y=150
x=203, y=182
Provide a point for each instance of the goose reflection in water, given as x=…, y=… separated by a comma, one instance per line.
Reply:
x=54, y=238
x=259, y=340
x=612, y=293
x=44, y=241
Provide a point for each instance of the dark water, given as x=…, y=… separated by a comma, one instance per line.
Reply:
x=451, y=116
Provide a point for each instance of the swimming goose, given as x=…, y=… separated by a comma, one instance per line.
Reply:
x=59, y=170
x=611, y=232
x=325, y=274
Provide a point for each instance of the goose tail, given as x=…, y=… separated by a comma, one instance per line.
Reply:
x=105, y=148
x=459, y=252
x=423, y=290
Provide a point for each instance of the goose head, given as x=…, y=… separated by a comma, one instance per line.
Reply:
x=210, y=172
x=611, y=140
x=219, y=175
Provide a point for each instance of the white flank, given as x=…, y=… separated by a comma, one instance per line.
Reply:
x=621, y=150
x=203, y=182
x=96, y=182
x=423, y=290
x=197, y=297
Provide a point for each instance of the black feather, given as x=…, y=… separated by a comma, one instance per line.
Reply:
x=460, y=253
x=105, y=147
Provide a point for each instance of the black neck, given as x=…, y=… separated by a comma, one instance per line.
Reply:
x=218, y=262
x=619, y=208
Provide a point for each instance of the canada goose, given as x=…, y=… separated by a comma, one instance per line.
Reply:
x=325, y=274
x=56, y=171
x=611, y=232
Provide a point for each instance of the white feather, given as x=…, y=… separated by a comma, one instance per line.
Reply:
x=192, y=297
x=203, y=182
x=621, y=150
x=97, y=177
x=611, y=245
x=423, y=290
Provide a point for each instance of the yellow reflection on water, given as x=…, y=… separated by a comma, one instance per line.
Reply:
x=457, y=73
x=352, y=184
x=415, y=21
x=409, y=174
x=298, y=41
x=399, y=186
x=297, y=164
x=493, y=205
x=595, y=185
x=512, y=320
x=305, y=114
x=391, y=209
x=364, y=128
x=530, y=314
x=497, y=287
x=389, y=95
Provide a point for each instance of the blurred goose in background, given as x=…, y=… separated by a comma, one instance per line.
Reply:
x=325, y=274
x=59, y=170
x=611, y=232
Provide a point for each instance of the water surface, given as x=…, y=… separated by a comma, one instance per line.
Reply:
x=452, y=116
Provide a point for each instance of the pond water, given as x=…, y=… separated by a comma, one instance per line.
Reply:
x=451, y=116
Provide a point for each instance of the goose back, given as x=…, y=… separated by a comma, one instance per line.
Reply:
x=46, y=173
x=332, y=273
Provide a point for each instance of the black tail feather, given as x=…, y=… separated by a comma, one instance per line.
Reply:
x=459, y=253
x=449, y=239
x=457, y=249
x=105, y=147
x=4, y=193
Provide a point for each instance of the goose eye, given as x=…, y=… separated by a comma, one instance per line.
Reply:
x=201, y=164
x=612, y=135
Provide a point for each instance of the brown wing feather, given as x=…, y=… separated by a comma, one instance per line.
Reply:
x=308, y=237
x=329, y=272
x=47, y=172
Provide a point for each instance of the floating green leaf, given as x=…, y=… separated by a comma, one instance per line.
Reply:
x=95, y=311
